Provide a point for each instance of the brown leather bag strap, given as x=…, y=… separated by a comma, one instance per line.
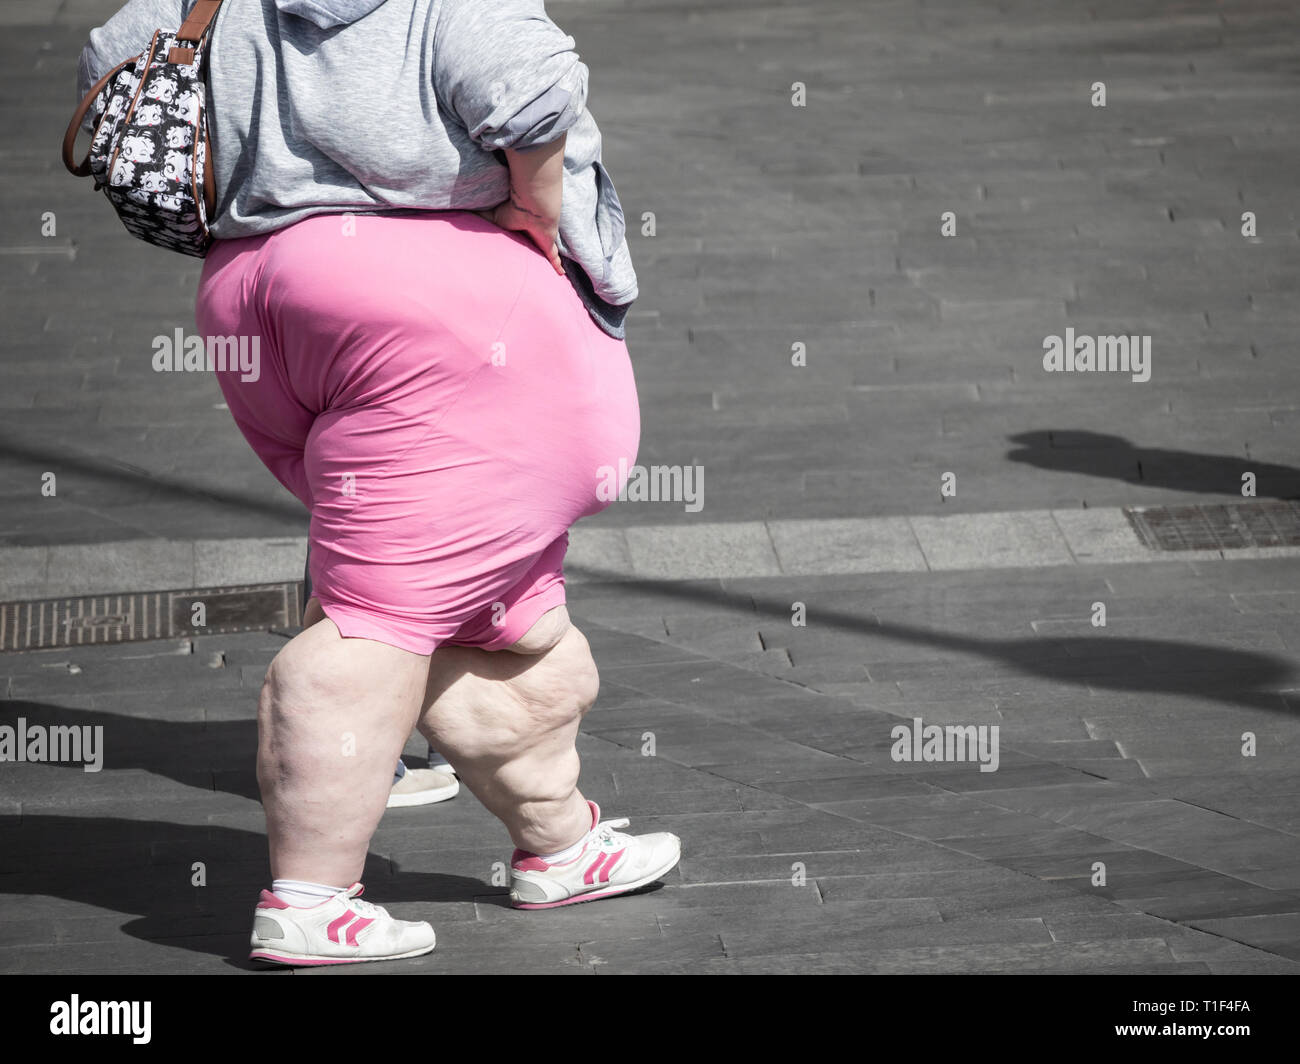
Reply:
x=201, y=16
x=193, y=29
x=82, y=168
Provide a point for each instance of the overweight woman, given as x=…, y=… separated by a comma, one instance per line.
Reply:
x=413, y=221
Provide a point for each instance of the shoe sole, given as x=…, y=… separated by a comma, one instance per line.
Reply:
x=405, y=801
x=298, y=960
x=578, y=899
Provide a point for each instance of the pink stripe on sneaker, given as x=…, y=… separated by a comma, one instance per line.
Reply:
x=270, y=901
x=609, y=865
x=332, y=932
x=577, y=899
x=356, y=929
x=590, y=877
x=528, y=862
x=298, y=962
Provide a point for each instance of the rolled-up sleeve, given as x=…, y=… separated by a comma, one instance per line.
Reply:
x=507, y=72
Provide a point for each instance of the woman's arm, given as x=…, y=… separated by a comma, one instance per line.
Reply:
x=536, y=195
x=514, y=80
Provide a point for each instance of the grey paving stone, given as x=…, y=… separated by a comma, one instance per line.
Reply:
x=815, y=791
x=889, y=934
x=1100, y=535
x=62, y=674
x=1228, y=957
x=702, y=551
x=225, y=563
x=1134, y=956
x=1226, y=901
x=884, y=545
x=965, y=542
x=1278, y=933
x=118, y=567
x=598, y=553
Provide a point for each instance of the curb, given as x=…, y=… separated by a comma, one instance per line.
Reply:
x=742, y=549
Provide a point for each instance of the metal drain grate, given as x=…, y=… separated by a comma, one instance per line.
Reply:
x=1231, y=527
x=65, y=622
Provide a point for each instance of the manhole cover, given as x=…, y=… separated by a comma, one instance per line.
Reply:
x=64, y=622
x=1231, y=527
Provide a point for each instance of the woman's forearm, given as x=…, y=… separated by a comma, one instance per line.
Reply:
x=537, y=179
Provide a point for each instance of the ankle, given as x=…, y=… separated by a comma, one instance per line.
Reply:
x=560, y=831
x=302, y=894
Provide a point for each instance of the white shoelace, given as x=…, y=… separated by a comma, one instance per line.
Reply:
x=364, y=909
x=603, y=833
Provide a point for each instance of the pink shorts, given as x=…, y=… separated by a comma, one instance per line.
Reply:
x=439, y=399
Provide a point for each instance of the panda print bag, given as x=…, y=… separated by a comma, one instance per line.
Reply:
x=149, y=146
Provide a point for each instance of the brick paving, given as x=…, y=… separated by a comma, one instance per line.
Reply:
x=777, y=225
x=807, y=847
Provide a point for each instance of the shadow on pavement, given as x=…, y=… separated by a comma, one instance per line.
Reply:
x=210, y=755
x=101, y=851
x=99, y=860
x=1101, y=455
x=1229, y=675
x=168, y=489
x=221, y=755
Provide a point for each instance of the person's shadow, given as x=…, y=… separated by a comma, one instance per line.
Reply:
x=151, y=869
x=1099, y=454
x=210, y=755
x=1229, y=675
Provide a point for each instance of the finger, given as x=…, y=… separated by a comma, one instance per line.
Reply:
x=550, y=249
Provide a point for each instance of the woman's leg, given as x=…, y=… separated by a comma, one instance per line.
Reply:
x=508, y=720
x=333, y=718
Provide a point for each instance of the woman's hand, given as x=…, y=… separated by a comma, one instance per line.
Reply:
x=543, y=231
x=536, y=195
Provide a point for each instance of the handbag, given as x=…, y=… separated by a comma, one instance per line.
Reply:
x=149, y=145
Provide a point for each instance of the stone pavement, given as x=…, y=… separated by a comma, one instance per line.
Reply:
x=807, y=846
x=767, y=747
x=778, y=225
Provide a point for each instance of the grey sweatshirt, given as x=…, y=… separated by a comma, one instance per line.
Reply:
x=333, y=105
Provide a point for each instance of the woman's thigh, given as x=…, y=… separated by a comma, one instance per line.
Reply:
x=438, y=397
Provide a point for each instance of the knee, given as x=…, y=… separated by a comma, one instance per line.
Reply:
x=587, y=680
x=545, y=633
x=284, y=689
x=582, y=678
x=562, y=686
x=299, y=682
x=278, y=721
x=506, y=707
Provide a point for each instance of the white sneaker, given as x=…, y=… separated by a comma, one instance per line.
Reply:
x=340, y=930
x=610, y=863
x=422, y=786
